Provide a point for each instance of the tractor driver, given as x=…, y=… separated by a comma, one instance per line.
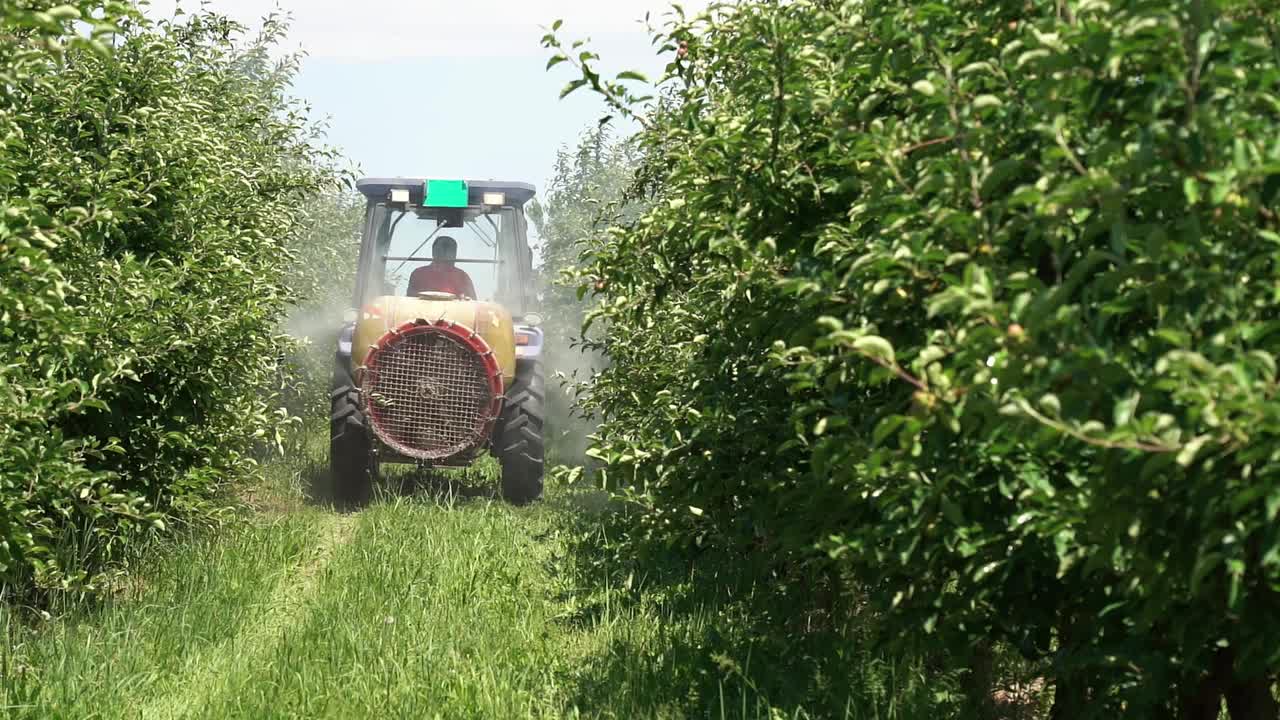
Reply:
x=442, y=275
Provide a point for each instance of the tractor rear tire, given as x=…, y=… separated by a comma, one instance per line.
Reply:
x=351, y=462
x=518, y=440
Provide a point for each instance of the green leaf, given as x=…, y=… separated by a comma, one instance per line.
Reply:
x=1191, y=188
x=64, y=12
x=952, y=511
x=1187, y=454
x=1051, y=405
x=870, y=103
x=1032, y=56
x=1122, y=411
x=572, y=87
x=931, y=354
x=885, y=428
x=876, y=347
x=981, y=66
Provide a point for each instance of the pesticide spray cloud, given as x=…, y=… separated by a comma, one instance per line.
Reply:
x=584, y=198
x=322, y=282
x=570, y=370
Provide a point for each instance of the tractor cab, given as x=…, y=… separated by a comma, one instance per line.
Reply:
x=405, y=217
x=441, y=361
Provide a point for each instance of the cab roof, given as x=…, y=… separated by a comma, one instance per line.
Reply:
x=518, y=193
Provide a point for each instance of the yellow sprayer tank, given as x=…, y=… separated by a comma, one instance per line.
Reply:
x=491, y=321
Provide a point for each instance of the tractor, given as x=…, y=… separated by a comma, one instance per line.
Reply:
x=439, y=361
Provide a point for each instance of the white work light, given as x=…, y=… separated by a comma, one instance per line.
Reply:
x=492, y=198
x=400, y=195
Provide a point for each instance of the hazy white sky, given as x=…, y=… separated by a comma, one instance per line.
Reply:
x=451, y=88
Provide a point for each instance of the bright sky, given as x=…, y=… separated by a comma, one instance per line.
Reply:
x=451, y=88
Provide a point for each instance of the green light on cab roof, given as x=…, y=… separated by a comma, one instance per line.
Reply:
x=446, y=194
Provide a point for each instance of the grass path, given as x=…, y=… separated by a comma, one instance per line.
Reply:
x=419, y=607
x=206, y=672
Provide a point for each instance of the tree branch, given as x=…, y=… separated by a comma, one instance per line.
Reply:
x=1065, y=429
x=927, y=143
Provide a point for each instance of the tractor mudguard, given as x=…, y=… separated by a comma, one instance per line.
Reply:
x=529, y=343
x=345, y=338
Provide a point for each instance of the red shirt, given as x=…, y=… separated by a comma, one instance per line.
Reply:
x=439, y=277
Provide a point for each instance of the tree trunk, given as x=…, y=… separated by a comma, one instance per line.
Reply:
x=1201, y=698
x=1202, y=701
x=1070, y=698
x=981, y=682
x=1252, y=700
x=1070, y=689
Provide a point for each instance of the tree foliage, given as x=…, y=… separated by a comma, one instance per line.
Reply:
x=975, y=303
x=148, y=192
x=587, y=194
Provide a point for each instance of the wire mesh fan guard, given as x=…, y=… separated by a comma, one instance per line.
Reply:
x=432, y=391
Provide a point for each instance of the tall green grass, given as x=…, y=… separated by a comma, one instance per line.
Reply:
x=180, y=609
x=440, y=603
